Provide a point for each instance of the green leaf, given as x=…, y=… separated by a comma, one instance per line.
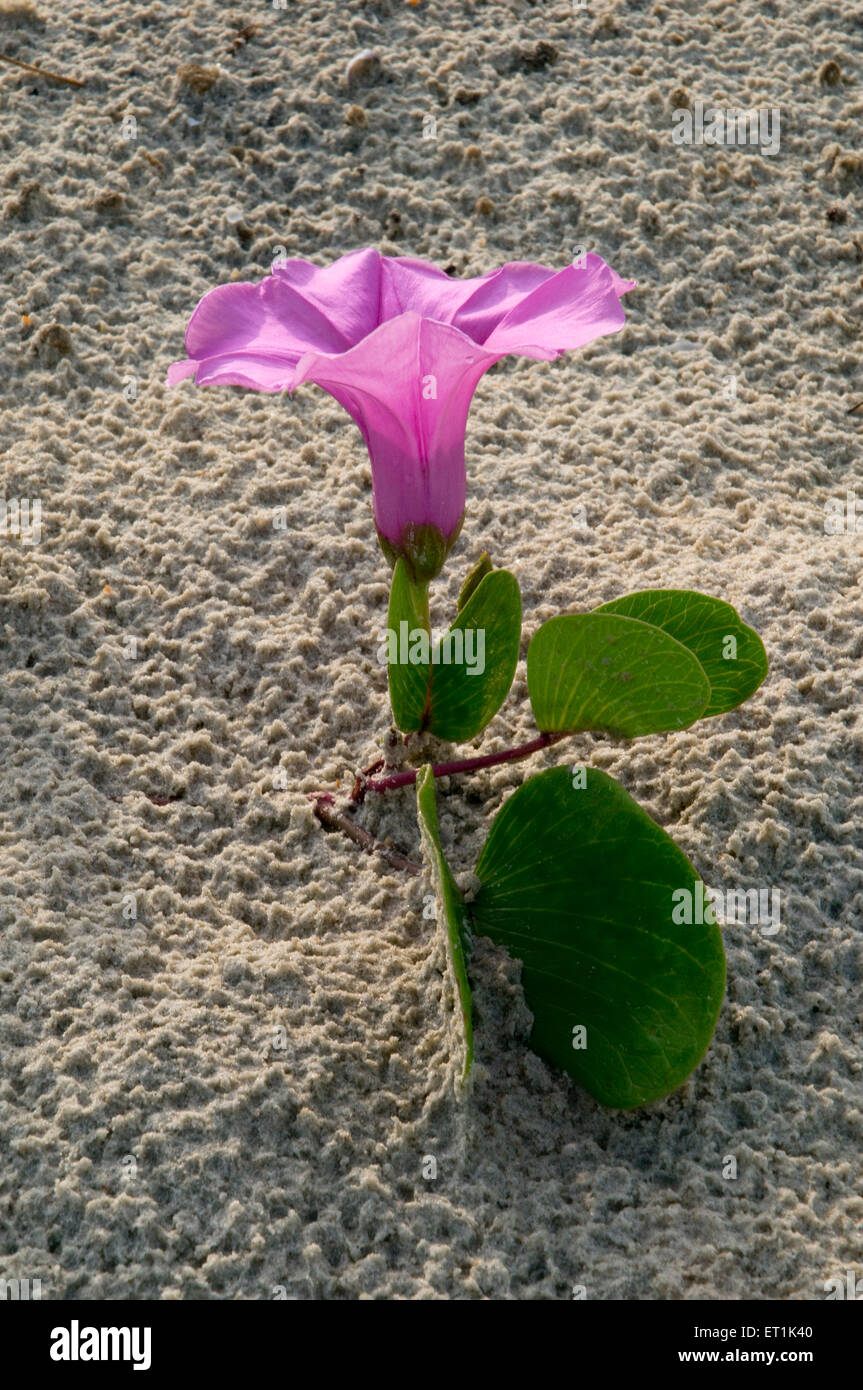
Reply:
x=605, y=672
x=578, y=883
x=479, y=571
x=731, y=653
x=409, y=680
x=483, y=649
x=455, y=685
x=450, y=907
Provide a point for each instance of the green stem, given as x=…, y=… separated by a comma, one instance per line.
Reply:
x=420, y=591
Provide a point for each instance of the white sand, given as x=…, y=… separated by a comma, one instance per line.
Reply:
x=302, y=1167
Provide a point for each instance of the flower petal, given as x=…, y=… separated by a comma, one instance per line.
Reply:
x=412, y=286
x=347, y=293
x=496, y=295
x=478, y=305
x=259, y=373
x=247, y=334
x=566, y=311
x=270, y=317
x=178, y=371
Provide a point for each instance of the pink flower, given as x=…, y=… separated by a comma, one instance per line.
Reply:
x=401, y=346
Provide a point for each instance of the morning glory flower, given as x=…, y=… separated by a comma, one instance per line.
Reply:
x=401, y=345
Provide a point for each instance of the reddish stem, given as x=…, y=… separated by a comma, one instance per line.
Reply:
x=408, y=777
x=333, y=819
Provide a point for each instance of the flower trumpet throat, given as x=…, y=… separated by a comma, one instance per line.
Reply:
x=402, y=346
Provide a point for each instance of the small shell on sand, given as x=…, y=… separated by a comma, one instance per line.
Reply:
x=364, y=67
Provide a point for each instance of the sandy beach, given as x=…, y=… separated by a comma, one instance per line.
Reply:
x=226, y=1047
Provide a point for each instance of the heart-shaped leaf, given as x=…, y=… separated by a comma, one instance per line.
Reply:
x=731, y=653
x=590, y=894
x=450, y=907
x=408, y=641
x=619, y=675
x=475, y=661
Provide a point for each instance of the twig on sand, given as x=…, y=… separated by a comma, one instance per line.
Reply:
x=333, y=819
x=855, y=408
x=41, y=72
